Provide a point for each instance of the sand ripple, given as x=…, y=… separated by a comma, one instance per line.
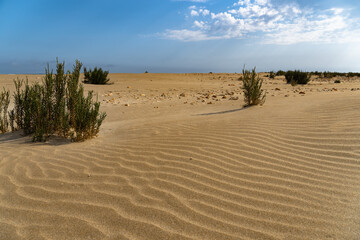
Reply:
x=254, y=174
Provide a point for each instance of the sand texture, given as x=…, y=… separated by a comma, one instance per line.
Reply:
x=178, y=157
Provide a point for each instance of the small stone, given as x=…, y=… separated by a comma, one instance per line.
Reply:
x=128, y=86
x=234, y=98
x=302, y=93
x=277, y=89
x=210, y=103
x=286, y=95
x=127, y=105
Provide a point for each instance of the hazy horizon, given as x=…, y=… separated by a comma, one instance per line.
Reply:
x=180, y=36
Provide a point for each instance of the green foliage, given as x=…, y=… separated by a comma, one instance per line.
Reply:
x=96, y=76
x=4, y=104
x=252, y=83
x=58, y=106
x=337, y=81
x=335, y=74
x=280, y=73
x=297, y=77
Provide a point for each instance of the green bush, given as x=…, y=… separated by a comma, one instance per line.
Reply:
x=272, y=74
x=252, y=83
x=280, y=73
x=58, y=106
x=297, y=77
x=337, y=81
x=4, y=104
x=96, y=76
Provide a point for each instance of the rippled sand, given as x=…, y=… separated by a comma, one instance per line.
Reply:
x=169, y=165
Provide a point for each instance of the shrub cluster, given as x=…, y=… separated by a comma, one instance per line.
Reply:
x=335, y=74
x=58, y=106
x=96, y=76
x=252, y=83
x=297, y=77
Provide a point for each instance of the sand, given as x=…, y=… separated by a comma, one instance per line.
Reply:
x=169, y=165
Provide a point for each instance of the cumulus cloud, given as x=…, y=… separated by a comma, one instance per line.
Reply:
x=285, y=24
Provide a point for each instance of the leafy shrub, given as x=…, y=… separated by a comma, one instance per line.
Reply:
x=280, y=73
x=337, y=81
x=297, y=77
x=252, y=83
x=96, y=76
x=4, y=104
x=57, y=106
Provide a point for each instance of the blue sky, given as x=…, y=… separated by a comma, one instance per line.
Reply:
x=180, y=36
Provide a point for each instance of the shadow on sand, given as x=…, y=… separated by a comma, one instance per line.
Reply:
x=222, y=112
x=19, y=138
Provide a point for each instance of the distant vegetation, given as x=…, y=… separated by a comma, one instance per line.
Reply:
x=58, y=106
x=252, y=84
x=280, y=73
x=297, y=77
x=272, y=74
x=96, y=76
x=325, y=74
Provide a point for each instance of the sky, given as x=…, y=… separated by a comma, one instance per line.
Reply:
x=135, y=36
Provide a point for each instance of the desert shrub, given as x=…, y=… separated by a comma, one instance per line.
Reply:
x=352, y=74
x=272, y=74
x=337, y=81
x=96, y=76
x=252, y=83
x=4, y=104
x=280, y=73
x=58, y=106
x=297, y=77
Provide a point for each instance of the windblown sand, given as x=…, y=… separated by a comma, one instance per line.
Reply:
x=167, y=164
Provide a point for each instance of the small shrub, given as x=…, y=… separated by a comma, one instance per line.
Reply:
x=4, y=104
x=280, y=73
x=146, y=72
x=58, y=106
x=96, y=76
x=337, y=81
x=272, y=74
x=297, y=77
x=252, y=83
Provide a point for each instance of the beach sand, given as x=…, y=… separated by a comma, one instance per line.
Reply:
x=178, y=157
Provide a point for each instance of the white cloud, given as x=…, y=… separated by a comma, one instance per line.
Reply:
x=194, y=13
x=204, y=12
x=286, y=24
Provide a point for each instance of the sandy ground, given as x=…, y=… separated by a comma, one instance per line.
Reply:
x=178, y=157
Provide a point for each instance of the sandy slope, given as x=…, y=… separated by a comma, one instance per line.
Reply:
x=175, y=167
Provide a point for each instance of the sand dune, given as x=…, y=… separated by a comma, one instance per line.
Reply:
x=163, y=168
